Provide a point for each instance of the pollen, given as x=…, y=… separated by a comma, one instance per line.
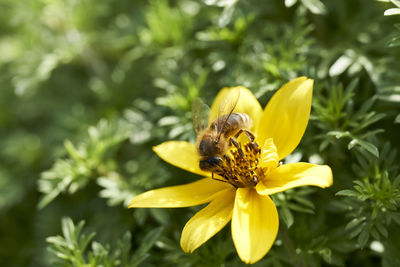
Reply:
x=240, y=165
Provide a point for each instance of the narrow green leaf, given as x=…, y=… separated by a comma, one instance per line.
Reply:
x=396, y=2
x=363, y=237
x=315, y=6
x=347, y=193
x=365, y=145
x=381, y=228
x=397, y=119
x=287, y=216
x=147, y=243
x=392, y=11
x=395, y=41
x=289, y=3
x=353, y=223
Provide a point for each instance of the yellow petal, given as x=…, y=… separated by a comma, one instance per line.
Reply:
x=293, y=175
x=247, y=103
x=180, y=154
x=196, y=193
x=286, y=115
x=255, y=224
x=269, y=157
x=208, y=221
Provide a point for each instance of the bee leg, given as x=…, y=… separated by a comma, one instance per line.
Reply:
x=212, y=176
x=237, y=145
x=249, y=135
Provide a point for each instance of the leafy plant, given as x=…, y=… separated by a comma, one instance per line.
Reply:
x=72, y=249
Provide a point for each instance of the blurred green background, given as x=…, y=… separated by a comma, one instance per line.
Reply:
x=87, y=87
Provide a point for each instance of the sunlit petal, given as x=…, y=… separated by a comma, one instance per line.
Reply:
x=269, y=157
x=293, y=175
x=180, y=154
x=247, y=103
x=286, y=115
x=208, y=221
x=255, y=224
x=196, y=193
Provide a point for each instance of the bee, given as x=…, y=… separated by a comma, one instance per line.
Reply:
x=216, y=138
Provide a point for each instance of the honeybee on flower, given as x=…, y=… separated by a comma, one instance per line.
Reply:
x=248, y=169
x=215, y=139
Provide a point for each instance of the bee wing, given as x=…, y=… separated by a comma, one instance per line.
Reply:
x=226, y=108
x=200, y=113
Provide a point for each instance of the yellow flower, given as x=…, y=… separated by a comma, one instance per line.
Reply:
x=279, y=129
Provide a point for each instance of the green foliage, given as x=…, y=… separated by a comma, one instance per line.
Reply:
x=293, y=201
x=395, y=41
x=89, y=87
x=72, y=249
x=337, y=113
x=373, y=202
x=90, y=159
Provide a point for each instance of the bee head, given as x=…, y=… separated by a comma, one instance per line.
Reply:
x=209, y=145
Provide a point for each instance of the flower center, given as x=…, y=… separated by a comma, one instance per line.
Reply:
x=240, y=165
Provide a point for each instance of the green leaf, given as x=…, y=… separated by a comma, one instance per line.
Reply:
x=363, y=237
x=287, y=216
x=340, y=65
x=290, y=3
x=315, y=6
x=146, y=244
x=382, y=230
x=364, y=145
x=347, y=193
x=355, y=222
x=394, y=42
x=396, y=2
x=357, y=230
x=392, y=11
x=397, y=119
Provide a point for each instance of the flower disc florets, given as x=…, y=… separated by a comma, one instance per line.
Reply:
x=240, y=165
